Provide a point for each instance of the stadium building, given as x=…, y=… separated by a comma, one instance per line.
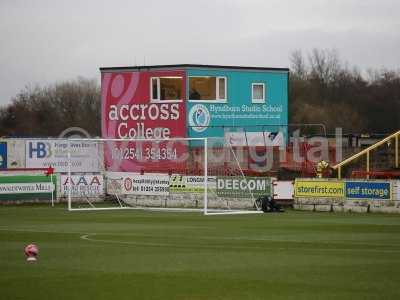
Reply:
x=250, y=104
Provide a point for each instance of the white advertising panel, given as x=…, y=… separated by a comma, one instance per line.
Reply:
x=82, y=185
x=15, y=154
x=283, y=190
x=85, y=156
x=396, y=188
x=136, y=184
x=254, y=138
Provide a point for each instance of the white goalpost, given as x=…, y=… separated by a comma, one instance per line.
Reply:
x=224, y=162
x=175, y=174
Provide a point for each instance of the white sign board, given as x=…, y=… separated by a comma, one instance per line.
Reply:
x=282, y=190
x=136, y=184
x=85, y=156
x=396, y=187
x=82, y=185
x=266, y=138
x=15, y=153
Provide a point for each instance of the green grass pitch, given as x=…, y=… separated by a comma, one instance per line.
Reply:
x=155, y=255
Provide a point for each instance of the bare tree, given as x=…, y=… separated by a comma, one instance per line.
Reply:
x=333, y=94
x=298, y=66
x=47, y=111
x=324, y=64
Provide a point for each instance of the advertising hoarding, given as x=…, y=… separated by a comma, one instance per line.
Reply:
x=129, y=112
x=15, y=153
x=128, y=183
x=27, y=187
x=3, y=155
x=214, y=117
x=283, y=189
x=82, y=185
x=396, y=188
x=243, y=187
x=319, y=188
x=85, y=156
x=270, y=139
x=191, y=184
x=368, y=190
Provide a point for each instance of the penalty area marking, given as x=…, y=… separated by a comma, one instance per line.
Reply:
x=90, y=238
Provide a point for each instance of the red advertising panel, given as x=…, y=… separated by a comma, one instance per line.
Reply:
x=144, y=105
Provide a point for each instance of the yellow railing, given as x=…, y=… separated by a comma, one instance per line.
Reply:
x=366, y=151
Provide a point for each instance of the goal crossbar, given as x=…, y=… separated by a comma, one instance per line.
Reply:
x=206, y=209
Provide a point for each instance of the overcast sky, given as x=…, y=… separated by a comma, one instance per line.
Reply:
x=45, y=41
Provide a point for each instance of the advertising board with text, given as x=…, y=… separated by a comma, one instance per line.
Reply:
x=368, y=190
x=129, y=113
x=27, y=187
x=85, y=156
x=190, y=184
x=82, y=185
x=318, y=188
x=128, y=183
x=243, y=187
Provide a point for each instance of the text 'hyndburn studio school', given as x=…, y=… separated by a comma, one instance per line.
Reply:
x=247, y=105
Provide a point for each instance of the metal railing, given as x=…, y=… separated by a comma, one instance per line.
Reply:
x=367, y=151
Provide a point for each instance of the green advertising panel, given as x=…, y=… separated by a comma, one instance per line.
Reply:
x=27, y=187
x=243, y=187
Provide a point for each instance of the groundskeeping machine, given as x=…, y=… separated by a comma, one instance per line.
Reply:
x=175, y=174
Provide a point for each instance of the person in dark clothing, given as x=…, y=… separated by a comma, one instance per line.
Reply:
x=194, y=95
x=268, y=204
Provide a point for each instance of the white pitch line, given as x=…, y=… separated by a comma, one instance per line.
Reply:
x=87, y=237
x=269, y=239
x=39, y=231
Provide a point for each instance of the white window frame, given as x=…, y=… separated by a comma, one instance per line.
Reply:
x=225, y=100
x=217, y=87
x=252, y=92
x=152, y=98
x=158, y=99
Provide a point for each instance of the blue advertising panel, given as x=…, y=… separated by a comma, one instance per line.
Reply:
x=238, y=110
x=3, y=155
x=368, y=190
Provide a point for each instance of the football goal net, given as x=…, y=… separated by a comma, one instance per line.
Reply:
x=177, y=174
